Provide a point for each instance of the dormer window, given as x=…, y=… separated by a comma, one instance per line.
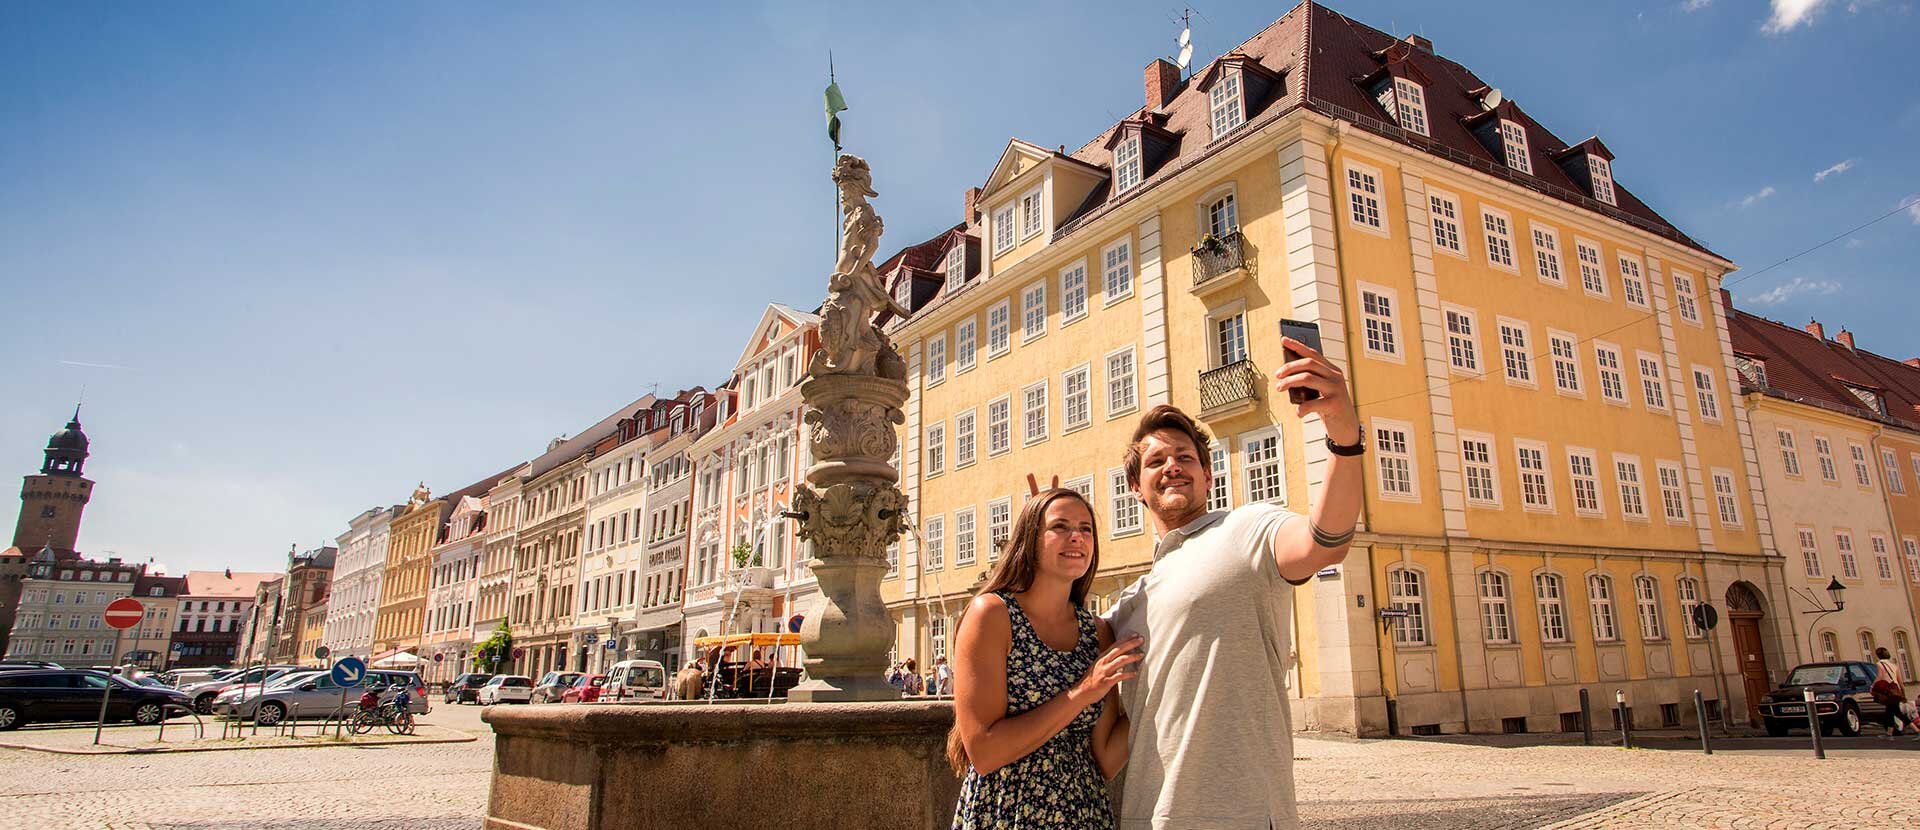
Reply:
x=1003, y=239
x=1406, y=101
x=1513, y=138
x=1226, y=104
x=1752, y=369
x=956, y=266
x=1601, y=172
x=1031, y=220
x=1869, y=397
x=903, y=291
x=1126, y=165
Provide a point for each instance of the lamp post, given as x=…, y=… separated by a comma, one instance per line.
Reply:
x=1836, y=596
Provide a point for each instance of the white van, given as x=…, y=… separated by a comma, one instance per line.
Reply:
x=637, y=679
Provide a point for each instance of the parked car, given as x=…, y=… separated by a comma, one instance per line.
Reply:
x=505, y=688
x=586, y=689
x=46, y=696
x=182, y=678
x=1842, y=694
x=550, y=687
x=465, y=688
x=642, y=679
x=15, y=665
x=204, y=693
x=311, y=693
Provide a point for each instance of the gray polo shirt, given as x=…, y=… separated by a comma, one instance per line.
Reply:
x=1212, y=742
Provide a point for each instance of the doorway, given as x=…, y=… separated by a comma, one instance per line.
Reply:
x=1744, y=611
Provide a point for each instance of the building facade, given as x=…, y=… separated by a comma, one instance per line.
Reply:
x=399, y=625
x=493, y=590
x=61, y=605
x=359, y=570
x=309, y=578
x=453, y=583
x=265, y=621
x=610, y=569
x=213, y=613
x=150, y=644
x=656, y=633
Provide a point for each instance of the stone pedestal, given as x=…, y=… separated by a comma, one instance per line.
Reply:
x=844, y=766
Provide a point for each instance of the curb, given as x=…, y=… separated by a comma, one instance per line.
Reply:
x=159, y=750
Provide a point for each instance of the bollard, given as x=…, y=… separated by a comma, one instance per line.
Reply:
x=1626, y=718
x=1700, y=711
x=1586, y=718
x=293, y=721
x=1813, y=725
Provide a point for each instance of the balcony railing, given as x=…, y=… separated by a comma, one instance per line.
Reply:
x=1225, y=255
x=1235, y=383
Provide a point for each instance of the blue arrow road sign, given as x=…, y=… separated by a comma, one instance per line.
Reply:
x=349, y=671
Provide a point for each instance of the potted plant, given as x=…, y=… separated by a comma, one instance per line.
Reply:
x=1211, y=244
x=743, y=554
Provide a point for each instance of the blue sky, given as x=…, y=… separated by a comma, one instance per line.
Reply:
x=316, y=253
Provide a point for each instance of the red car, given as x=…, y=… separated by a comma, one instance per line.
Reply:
x=585, y=690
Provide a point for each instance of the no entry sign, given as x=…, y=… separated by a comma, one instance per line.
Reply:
x=124, y=612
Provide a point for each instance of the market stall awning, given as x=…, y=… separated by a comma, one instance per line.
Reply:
x=760, y=639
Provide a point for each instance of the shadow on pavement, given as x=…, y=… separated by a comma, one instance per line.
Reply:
x=1488, y=813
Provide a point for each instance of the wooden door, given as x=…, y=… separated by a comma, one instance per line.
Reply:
x=1753, y=663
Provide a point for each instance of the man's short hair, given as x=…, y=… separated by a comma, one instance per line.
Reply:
x=1164, y=416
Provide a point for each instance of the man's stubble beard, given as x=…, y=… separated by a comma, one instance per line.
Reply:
x=1174, y=510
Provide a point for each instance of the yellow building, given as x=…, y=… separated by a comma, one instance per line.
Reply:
x=1840, y=442
x=1558, y=471
x=400, y=622
x=313, y=634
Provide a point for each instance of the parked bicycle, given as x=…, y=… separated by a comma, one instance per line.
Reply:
x=392, y=714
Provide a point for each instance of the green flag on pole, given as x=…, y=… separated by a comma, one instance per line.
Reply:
x=835, y=105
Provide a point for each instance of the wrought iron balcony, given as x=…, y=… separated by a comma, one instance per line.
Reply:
x=1230, y=389
x=1220, y=260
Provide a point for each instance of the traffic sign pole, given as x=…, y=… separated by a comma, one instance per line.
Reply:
x=107, y=693
x=121, y=614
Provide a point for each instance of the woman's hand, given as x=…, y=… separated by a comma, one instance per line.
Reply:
x=1114, y=666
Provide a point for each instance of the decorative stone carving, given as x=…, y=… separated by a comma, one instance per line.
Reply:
x=421, y=495
x=852, y=344
x=859, y=519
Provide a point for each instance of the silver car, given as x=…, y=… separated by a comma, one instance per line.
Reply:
x=313, y=694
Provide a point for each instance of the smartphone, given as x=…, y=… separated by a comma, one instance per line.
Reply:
x=1308, y=333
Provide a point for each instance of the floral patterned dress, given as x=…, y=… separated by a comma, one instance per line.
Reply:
x=1059, y=785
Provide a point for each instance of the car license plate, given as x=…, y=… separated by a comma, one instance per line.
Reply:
x=1796, y=709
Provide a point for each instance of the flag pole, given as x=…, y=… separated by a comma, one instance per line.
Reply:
x=835, y=160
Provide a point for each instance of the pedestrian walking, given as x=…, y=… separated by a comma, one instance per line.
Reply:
x=942, y=675
x=1890, y=690
x=915, y=684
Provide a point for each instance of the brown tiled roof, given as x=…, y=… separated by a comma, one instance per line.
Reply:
x=1803, y=367
x=216, y=584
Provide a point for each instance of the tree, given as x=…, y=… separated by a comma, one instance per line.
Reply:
x=495, y=649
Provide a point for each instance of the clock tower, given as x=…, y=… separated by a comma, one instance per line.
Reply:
x=52, y=500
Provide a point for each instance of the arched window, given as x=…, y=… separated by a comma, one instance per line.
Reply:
x=1646, y=596
x=1689, y=590
x=1600, y=597
x=1550, y=597
x=1866, y=645
x=1901, y=648
x=1406, y=591
x=1829, y=646
x=1496, y=617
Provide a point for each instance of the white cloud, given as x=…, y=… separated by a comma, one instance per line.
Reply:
x=1835, y=170
x=1913, y=207
x=1791, y=14
x=1793, y=288
x=1691, y=6
x=1756, y=198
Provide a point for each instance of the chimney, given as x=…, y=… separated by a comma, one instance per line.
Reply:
x=1814, y=328
x=972, y=210
x=229, y=573
x=1163, y=80
x=1421, y=43
x=1914, y=362
x=1845, y=337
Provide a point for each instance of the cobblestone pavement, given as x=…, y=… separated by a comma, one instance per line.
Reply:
x=1485, y=783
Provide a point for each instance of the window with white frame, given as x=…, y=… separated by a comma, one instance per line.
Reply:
x=1082, y=485
x=1264, y=467
x=1652, y=387
x=998, y=328
x=1613, y=382
x=956, y=265
x=1646, y=596
x=1672, y=498
x=1073, y=292
x=1003, y=233
x=1703, y=392
x=935, y=530
x=937, y=359
x=1463, y=341
x=1126, y=507
x=1229, y=339
x=999, y=525
x=963, y=345
x=1809, y=552
x=1631, y=285
x=1075, y=391
x=1600, y=600
x=1566, y=362
x=1477, y=461
x=1033, y=312
x=1586, y=484
x=963, y=537
x=1122, y=395
x=1409, y=105
x=1684, y=297
x=1393, y=454
x=999, y=426
x=1688, y=589
x=1600, y=172
x=1592, y=277
x=1376, y=312
x=1443, y=210
x=1753, y=370
x=1549, y=596
x=1220, y=493
x=1626, y=471
x=1862, y=474
x=1032, y=220
x=1117, y=270
x=1496, y=612
x=1499, y=233
x=1849, y=566
x=1824, y=451
x=903, y=291
x=1880, y=558
x=937, y=637
x=1363, y=198
x=1224, y=104
x=1514, y=352
x=1513, y=139
x=1890, y=468
x=1223, y=216
x=963, y=439
x=1034, y=409
x=1406, y=591
x=1546, y=254
x=1126, y=165
x=1915, y=458
x=1911, y=547
x=1536, y=486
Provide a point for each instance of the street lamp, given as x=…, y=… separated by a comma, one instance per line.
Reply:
x=1836, y=596
x=1835, y=590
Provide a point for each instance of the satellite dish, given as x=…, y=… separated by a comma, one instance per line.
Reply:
x=1492, y=98
x=1186, y=56
x=1186, y=36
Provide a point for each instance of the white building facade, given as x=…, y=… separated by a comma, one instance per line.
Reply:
x=358, y=573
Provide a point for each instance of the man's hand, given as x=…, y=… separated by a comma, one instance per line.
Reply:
x=1033, y=485
x=1335, y=404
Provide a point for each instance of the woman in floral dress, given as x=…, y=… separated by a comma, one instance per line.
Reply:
x=1037, y=723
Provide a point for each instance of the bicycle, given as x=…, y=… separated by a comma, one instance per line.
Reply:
x=393, y=714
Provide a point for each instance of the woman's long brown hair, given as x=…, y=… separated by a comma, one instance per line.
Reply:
x=1018, y=565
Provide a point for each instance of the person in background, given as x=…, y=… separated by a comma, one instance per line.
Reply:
x=1890, y=690
x=942, y=676
x=915, y=684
